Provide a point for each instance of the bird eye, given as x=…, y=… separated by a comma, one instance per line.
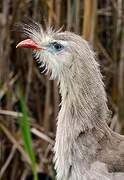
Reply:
x=57, y=46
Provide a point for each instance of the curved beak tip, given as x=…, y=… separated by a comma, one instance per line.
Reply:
x=17, y=45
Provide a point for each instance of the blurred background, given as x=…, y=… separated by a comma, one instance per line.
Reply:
x=101, y=22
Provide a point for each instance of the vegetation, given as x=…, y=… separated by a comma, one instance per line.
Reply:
x=26, y=136
x=101, y=22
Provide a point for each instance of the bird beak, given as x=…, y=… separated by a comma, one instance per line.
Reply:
x=28, y=43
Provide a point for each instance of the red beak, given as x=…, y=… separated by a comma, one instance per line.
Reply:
x=28, y=43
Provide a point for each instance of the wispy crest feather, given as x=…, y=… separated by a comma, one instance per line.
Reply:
x=35, y=30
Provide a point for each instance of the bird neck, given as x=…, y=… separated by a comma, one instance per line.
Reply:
x=83, y=102
x=82, y=116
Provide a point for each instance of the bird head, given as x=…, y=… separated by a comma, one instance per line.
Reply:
x=70, y=60
x=54, y=51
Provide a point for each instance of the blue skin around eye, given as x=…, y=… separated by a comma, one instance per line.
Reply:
x=55, y=47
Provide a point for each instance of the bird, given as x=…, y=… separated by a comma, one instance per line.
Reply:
x=85, y=147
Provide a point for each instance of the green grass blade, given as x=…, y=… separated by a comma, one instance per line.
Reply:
x=26, y=136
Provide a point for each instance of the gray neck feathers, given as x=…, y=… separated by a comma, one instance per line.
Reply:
x=83, y=94
x=83, y=108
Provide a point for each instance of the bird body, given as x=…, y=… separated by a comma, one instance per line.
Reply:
x=85, y=148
